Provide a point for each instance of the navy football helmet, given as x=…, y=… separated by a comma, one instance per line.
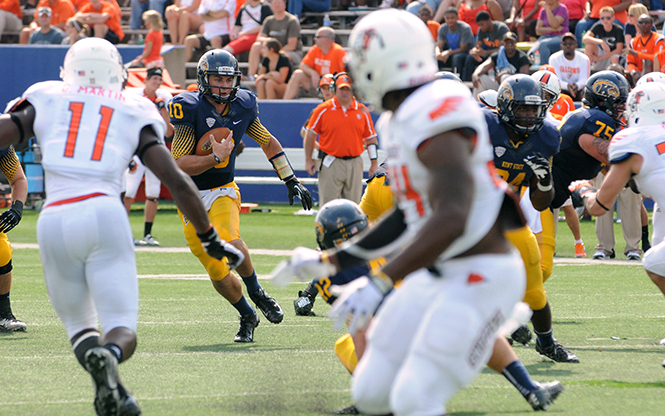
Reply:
x=218, y=62
x=520, y=104
x=337, y=221
x=608, y=92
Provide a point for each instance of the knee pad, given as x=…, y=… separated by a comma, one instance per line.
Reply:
x=547, y=243
x=346, y=352
x=5, y=252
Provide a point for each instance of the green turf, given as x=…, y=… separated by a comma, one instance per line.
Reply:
x=187, y=364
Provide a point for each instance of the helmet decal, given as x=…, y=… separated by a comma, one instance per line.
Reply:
x=507, y=93
x=605, y=88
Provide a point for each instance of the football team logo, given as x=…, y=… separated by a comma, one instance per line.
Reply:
x=203, y=65
x=210, y=121
x=499, y=151
x=605, y=88
x=506, y=92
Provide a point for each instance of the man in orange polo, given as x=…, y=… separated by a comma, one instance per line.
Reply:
x=326, y=57
x=345, y=129
x=643, y=47
x=103, y=18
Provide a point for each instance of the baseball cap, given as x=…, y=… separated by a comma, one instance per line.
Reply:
x=343, y=81
x=153, y=72
x=511, y=36
x=44, y=10
x=568, y=35
x=327, y=79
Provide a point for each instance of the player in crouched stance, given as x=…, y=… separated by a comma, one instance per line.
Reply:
x=460, y=278
x=88, y=132
x=637, y=152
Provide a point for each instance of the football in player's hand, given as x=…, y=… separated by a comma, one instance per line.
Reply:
x=204, y=147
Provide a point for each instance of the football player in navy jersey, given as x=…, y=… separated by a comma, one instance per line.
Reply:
x=524, y=143
x=219, y=102
x=586, y=132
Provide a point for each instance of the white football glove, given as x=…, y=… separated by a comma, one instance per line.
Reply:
x=304, y=263
x=356, y=303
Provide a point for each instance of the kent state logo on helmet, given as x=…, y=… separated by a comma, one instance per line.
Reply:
x=605, y=88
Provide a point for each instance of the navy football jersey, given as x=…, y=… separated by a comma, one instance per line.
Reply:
x=572, y=163
x=509, y=157
x=341, y=278
x=193, y=110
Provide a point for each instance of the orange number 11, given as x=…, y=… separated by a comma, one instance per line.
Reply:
x=77, y=110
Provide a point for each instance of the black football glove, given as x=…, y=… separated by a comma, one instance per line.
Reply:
x=580, y=190
x=10, y=218
x=541, y=168
x=218, y=248
x=132, y=166
x=297, y=189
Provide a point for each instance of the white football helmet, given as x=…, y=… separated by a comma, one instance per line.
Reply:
x=390, y=50
x=94, y=62
x=646, y=105
x=651, y=77
x=489, y=98
x=549, y=82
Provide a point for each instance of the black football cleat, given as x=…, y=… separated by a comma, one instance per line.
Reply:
x=522, y=335
x=542, y=398
x=246, y=330
x=557, y=352
x=9, y=323
x=268, y=306
x=111, y=397
x=351, y=410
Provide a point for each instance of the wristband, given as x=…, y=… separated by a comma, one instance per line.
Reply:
x=382, y=281
x=373, y=153
x=546, y=188
x=282, y=166
x=217, y=161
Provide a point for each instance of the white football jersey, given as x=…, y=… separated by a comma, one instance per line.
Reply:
x=435, y=108
x=87, y=136
x=648, y=142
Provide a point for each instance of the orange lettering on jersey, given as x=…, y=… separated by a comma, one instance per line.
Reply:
x=661, y=148
x=475, y=278
x=447, y=105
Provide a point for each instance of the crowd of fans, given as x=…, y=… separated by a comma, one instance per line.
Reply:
x=476, y=39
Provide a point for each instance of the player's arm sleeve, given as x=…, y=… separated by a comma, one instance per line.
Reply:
x=382, y=240
x=184, y=141
x=9, y=163
x=258, y=132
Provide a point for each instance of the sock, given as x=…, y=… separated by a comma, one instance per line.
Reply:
x=579, y=241
x=115, y=350
x=516, y=373
x=645, y=236
x=243, y=307
x=545, y=339
x=83, y=344
x=252, y=282
x=5, y=307
x=147, y=228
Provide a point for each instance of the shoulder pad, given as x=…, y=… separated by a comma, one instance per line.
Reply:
x=188, y=99
x=246, y=99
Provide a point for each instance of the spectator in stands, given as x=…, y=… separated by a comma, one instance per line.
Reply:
x=345, y=130
x=325, y=57
x=572, y=67
x=47, y=33
x=630, y=30
x=75, y=31
x=593, y=15
x=282, y=26
x=552, y=23
x=151, y=56
x=141, y=6
x=414, y=6
x=576, y=12
x=216, y=15
x=182, y=17
x=604, y=42
x=61, y=10
x=275, y=71
x=455, y=39
x=10, y=16
x=426, y=14
x=506, y=62
x=104, y=20
x=296, y=7
x=489, y=40
x=469, y=9
x=523, y=19
x=643, y=48
x=248, y=24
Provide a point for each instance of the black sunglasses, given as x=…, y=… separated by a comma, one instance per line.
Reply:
x=644, y=22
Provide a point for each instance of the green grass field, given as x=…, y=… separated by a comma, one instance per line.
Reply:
x=187, y=364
